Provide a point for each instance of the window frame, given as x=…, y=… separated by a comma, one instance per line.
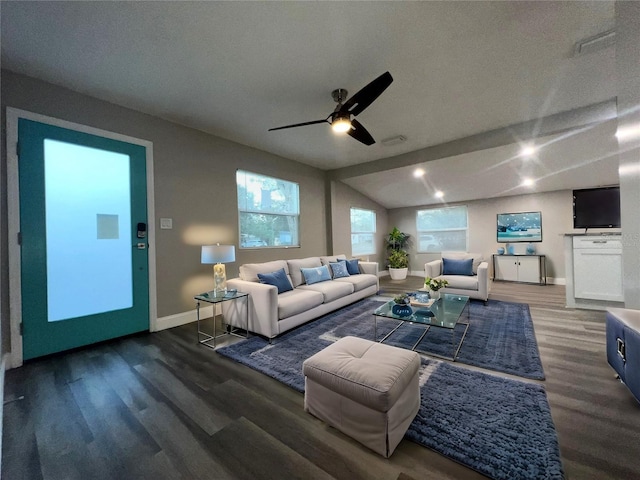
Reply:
x=427, y=232
x=247, y=210
x=357, y=232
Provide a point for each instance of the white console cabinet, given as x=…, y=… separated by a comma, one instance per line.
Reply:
x=520, y=268
x=597, y=268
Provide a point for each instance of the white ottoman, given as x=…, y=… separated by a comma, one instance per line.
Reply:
x=365, y=389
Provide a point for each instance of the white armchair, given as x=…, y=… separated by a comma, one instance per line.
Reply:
x=474, y=284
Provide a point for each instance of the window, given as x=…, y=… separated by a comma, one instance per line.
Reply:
x=363, y=229
x=442, y=229
x=268, y=211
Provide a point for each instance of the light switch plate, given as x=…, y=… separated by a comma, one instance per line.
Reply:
x=166, y=223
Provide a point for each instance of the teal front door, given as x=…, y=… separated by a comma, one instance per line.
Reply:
x=83, y=216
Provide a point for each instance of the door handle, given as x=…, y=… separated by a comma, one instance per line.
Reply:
x=140, y=246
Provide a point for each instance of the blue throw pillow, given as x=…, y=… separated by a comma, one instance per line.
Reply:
x=352, y=267
x=339, y=269
x=316, y=274
x=277, y=279
x=453, y=266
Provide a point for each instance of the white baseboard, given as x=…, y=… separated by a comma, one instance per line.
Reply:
x=183, y=318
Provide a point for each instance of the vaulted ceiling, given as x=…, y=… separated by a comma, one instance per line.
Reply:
x=460, y=69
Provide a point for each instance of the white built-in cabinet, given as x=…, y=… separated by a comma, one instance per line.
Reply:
x=520, y=268
x=597, y=267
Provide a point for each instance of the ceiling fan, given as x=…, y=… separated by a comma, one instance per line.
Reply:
x=341, y=120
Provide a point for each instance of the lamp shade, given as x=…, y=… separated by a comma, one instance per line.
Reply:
x=218, y=254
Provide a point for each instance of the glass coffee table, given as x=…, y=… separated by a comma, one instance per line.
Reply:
x=442, y=316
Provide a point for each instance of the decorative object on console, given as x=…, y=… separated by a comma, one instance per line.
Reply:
x=531, y=250
x=218, y=255
x=500, y=251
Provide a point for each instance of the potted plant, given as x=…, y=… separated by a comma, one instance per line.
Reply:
x=434, y=285
x=398, y=258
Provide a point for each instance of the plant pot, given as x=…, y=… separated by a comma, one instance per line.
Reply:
x=398, y=273
x=435, y=294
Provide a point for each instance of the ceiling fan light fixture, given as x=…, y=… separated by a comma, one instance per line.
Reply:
x=341, y=125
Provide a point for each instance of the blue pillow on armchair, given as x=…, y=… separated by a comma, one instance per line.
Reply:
x=454, y=266
x=277, y=279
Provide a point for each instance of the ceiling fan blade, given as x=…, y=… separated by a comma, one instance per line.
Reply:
x=360, y=133
x=300, y=124
x=365, y=97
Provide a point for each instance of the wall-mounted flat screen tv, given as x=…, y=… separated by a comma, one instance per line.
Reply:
x=520, y=227
x=596, y=208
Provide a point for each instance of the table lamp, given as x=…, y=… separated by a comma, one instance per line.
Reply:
x=218, y=255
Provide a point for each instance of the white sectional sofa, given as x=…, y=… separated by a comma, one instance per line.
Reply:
x=271, y=314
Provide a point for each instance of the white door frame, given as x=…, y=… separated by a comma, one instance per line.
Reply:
x=15, y=358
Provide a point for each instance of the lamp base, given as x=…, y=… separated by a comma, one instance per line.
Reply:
x=219, y=280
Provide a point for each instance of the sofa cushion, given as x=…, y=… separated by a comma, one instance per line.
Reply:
x=316, y=274
x=339, y=269
x=359, y=282
x=278, y=279
x=455, y=266
x=477, y=258
x=463, y=282
x=297, y=301
x=249, y=271
x=335, y=258
x=352, y=267
x=297, y=264
x=331, y=291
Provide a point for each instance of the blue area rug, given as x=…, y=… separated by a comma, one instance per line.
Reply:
x=500, y=427
x=500, y=335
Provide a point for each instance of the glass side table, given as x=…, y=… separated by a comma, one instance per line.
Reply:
x=208, y=297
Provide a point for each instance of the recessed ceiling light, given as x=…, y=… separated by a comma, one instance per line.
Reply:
x=418, y=172
x=628, y=132
x=439, y=194
x=527, y=182
x=528, y=150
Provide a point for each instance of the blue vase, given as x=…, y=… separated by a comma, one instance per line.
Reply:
x=500, y=251
x=531, y=249
x=402, y=310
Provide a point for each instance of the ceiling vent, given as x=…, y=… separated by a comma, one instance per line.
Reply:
x=387, y=142
x=593, y=44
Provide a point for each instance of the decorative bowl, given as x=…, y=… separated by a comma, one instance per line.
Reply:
x=401, y=310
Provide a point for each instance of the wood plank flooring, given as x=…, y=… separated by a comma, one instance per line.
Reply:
x=161, y=406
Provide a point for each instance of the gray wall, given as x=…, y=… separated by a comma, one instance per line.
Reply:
x=194, y=175
x=628, y=78
x=557, y=219
x=343, y=198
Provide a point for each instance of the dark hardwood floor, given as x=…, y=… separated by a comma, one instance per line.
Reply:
x=161, y=406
